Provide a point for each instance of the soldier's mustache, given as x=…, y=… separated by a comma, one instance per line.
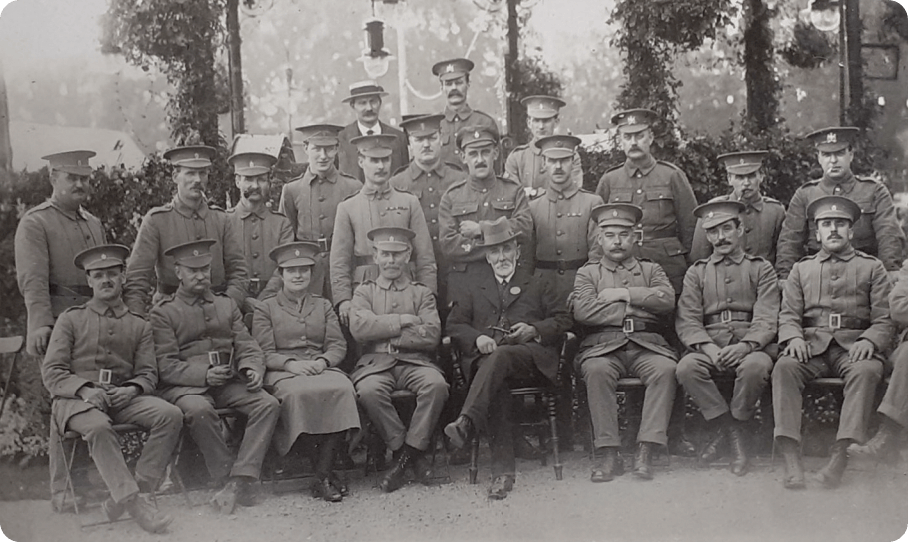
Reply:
x=455, y=93
x=250, y=191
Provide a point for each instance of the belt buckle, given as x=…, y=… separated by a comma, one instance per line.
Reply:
x=214, y=359
x=638, y=232
x=392, y=349
x=105, y=376
x=628, y=325
x=254, y=284
x=835, y=321
x=725, y=316
x=561, y=265
x=323, y=244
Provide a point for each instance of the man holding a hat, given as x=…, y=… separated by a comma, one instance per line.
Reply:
x=91, y=392
x=365, y=99
x=728, y=316
x=876, y=230
x=259, y=228
x=188, y=217
x=454, y=76
x=565, y=237
x=507, y=326
x=206, y=360
x=834, y=322
x=310, y=201
x=624, y=302
x=376, y=205
x=479, y=199
x=428, y=177
x=526, y=163
x=660, y=188
x=396, y=322
x=762, y=217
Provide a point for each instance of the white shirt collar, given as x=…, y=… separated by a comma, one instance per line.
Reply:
x=376, y=130
x=506, y=279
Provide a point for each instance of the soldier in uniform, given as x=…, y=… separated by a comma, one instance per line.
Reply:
x=365, y=100
x=727, y=315
x=564, y=235
x=834, y=322
x=479, y=199
x=397, y=322
x=48, y=237
x=259, y=228
x=376, y=205
x=454, y=76
x=624, y=301
x=188, y=217
x=310, y=201
x=762, y=217
x=428, y=177
x=207, y=359
x=876, y=232
x=507, y=327
x=660, y=188
x=526, y=163
x=91, y=392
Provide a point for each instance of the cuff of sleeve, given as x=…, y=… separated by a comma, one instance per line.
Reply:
x=144, y=387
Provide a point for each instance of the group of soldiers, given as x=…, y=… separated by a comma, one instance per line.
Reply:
x=406, y=250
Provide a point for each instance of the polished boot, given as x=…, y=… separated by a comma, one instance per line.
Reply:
x=224, y=501
x=831, y=475
x=112, y=509
x=322, y=488
x=246, y=491
x=339, y=484
x=422, y=468
x=882, y=447
x=609, y=466
x=146, y=516
x=643, y=461
x=397, y=476
x=460, y=431
x=713, y=449
x=738, y=440
x=794, y=471
x=501, y=486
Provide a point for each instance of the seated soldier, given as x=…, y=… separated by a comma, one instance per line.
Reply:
x=207, y=359
x=624, y=301
x=91, y=392
x=507, y=326
x=834, y=322
x=396, y=321
x=727, y=314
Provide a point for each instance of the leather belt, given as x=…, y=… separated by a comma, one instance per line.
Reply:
x=389, y=348
x=835, y=321
x=170, y=289
x=324, y=243
x=631, y=325
x=560, y=265
x=727, y=316
x=74, y=290
x=659, y=235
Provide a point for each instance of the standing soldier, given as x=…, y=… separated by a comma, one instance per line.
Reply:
x=47, y=239
x=660, y=188
x=834, y=321
x=365, y=100
x=454, y=76
x=565, y=235
x=259, y=228
x=876, y=230
x=310, y=201
x=428, y=177
x=526, y=163
x=188, y=217
x=762, y=217
x=479, y=199
x=376, y=205
x=727, y=315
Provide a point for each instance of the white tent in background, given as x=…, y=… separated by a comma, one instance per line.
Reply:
x=31, y=141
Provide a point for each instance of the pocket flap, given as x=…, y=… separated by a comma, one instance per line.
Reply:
x=464, y=208
x=503, y=205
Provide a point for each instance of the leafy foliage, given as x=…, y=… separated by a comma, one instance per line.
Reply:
x=763, y=85
x=809, y=48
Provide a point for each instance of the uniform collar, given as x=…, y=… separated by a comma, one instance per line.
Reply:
x=488, y=183
x=118, y=307
x=191, y=299
x=310, y=176
x=628, y=264
x=463, y=114
x=397, y=284
x=570, y=188
x=77, y=214
x=285, y=301
x=718, y=258
x=376, y=130
x=180, y=206
x=846, y=255
x=416, y=170
x=755, y=202
x=376, y=193
x=532, y=146
x=245, y=210
x=643, y=169
x=846, y=184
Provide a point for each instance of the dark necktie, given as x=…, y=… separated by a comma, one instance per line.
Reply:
x=503, y=291
x=370, y=132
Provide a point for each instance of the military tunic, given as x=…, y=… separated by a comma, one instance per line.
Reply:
x=663, y=192
x=895, y=401
x=259, y=232
x=173, y=224
x=310, y=203
x=609, y=352
x=526, y=165
x=452, y=123
x=564, y=236
x=727, y=300
x=877, y=232
x=856, y=287
x=398, y=357
x=47, y=239
x=351, y=250
x=305, y=330
x=762, y=221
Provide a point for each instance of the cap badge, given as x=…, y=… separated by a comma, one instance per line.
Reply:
x=831, y=137
x=742, y=162
x=559, y=143
x=195, y=252
x=614, y=213
x=541, y=106
x=834, y=208
x=251, y=163
x=296, y=252
x=391, y=239
x=631, y=119
x=103, y=256
x=78, y=162
x=475, y=135
x=196, y=155
x=449, y=68
x=710, y=214
x=422, y=125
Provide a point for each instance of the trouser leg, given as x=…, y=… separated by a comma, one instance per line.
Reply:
x=695, y=374
x=751, y=377
x=374, y=392
x=508, y=361
x=163, y=421
x=788, y=379
x=431, y=393
x=104, y=446
x=601, y=377
x=205, y=429
x=261, y=410
x=658, y=375
x=895, y=402
x=861, y=379
x=501, y=434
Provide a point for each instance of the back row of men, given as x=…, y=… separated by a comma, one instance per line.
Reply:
x=447, y=196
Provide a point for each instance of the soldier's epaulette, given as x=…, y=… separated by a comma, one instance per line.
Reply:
x=536, y=193
x=214, y=207
x=585, y=191
x=231, y=210
x=347, y=175
x=768, y=199
x=456, y=184
x=75, y=307
x=276, y=212
x=613, y=168
x=671, y=165
x=509, y=180
x=644, y=260
x=136, y=313
x=351, y=195
x=162, y=209
x=701, y=261
x=754, y=257
x=400, y=189
x=165, y=298
x=400, y=170
x=454, y=166
x=867, y=179
x=39, y=207
x=520, y=148
x=811, y=182
x=865, y=255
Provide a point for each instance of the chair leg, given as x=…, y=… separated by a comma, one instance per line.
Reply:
x=474, y=460
x=553, y=415
x=68, y=461
x=175, y=471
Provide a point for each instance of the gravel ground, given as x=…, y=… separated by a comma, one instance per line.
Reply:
x=681, y=504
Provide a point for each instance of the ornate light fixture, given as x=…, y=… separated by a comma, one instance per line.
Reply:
x=376, y=57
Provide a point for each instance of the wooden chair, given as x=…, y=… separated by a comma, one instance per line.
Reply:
x=10, y=345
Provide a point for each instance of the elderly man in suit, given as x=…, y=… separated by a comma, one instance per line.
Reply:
x=507, y=325
x=365, y=100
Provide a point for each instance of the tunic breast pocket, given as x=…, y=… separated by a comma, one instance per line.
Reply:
x=621, y=196
x=503, y=208
x=660, y=205
x=465, y=210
